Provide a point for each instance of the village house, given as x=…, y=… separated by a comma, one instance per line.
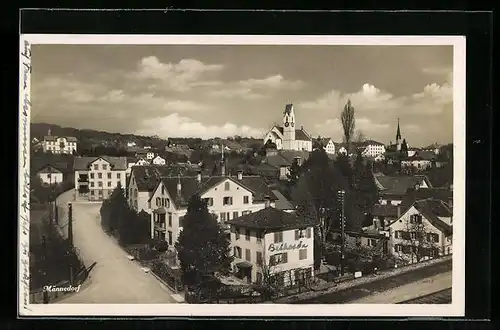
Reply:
x=97, y=177
x=132, y=161
x=326, y=143
x=288, y=137
x=392, y=189
x=371, y=148
x=420, y=161
x=59, y=144
x=368, y=237
x=271, y=242
x=50, y=174
x=434, y=148
x=282, y=160
x=158, y=160
x=226, y=197
x=141, y=183
x=424, y=230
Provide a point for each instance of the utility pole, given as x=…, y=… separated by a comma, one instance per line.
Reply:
x=70, y=224
x=341, y=198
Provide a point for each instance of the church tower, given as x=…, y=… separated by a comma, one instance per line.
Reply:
x=49, y=132
x=289, y=128
x=398, y=138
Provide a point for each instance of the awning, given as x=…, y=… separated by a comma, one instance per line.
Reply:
x=244, y=264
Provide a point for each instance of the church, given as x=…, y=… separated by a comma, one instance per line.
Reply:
x=288, y=137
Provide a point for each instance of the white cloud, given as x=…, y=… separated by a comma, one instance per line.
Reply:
x=181, y=76
x=237, y=92
x=274, y=82
x=175, y=125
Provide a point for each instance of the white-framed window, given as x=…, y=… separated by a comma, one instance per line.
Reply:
x=280, y=258
x=302, y=254
x=237, y=252
x=227, y=201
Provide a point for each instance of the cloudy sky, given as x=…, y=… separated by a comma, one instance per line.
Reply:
x=208, y=91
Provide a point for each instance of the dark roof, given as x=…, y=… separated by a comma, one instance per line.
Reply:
x=53, y=138
x=442, y=194
x=370, y=143
x=427, y=210
x=439, y=208
x=49, y=169
x=271, y=218
x=39, y=163
x=398, y=184
x=148, y=176
x=300, y=134
x=385, y=210
x=282, y=203
x=191, y=186
x=288, y=108
x=285, y=157
x=83, y=163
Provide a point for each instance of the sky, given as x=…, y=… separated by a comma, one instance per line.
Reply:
x=218, y=91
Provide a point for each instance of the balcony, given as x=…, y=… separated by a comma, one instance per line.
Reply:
x=160, y=226
x=83, y=179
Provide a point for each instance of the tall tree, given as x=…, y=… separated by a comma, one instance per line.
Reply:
x=201, y=254
x=348, y=124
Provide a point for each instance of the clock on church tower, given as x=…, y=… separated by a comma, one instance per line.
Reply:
x=286, y=124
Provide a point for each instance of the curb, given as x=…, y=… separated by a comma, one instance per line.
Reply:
x=180, y=299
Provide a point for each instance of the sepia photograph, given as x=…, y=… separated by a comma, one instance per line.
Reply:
x=311, y=175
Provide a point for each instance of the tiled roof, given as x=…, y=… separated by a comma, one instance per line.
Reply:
x=300, y=134
x=83, y=163
x=427, y=210
x=54, y=138
x=399, y=184
x=49, y=169
x=148, y=176
x=442, y=194
x=285, y=157
x=370, y=143
x=385, y=210
x=271, y=218
x=282, y=203
x=191, y=186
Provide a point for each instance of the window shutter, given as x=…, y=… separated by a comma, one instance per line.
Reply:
x=285, y=257
x=296, y=234
x=308, y=233
x=276, y=237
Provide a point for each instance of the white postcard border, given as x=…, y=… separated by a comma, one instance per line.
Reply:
x=456, y=308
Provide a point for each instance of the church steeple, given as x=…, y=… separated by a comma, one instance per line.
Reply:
x=288, y=127
x=49, y=132
x=398, y=133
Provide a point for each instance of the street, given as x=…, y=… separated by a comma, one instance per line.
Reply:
x=114, y=279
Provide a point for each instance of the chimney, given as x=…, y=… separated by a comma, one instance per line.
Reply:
x=240, y=175
x=267, y=201
x=198, y=177
x=399, y=211
x=179, y=186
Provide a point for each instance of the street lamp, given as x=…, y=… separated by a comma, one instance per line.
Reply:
x=341, y=199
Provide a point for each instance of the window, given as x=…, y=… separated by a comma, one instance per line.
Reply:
x=398, y=248
x=416, y=218
x=223, y=216
x=181, y=221
x=100, y=191
x=226, y=186
x=258, y=234
x=91, y=175
x=99, y=175
x=308, y=233
x=432, y=237
x=237, y=233
x=300, y=233
x=259, y=258
x=96, y=167
x=237, y=252
x=92, y=185
x=158, y=201
x=247, y=234
x=118, y=175
x=91, y=193
x=245, y=212
x=169, y=237
x=246, y=199
x=209, y=201
x=280, y=258
x=227, y=201
x=235, y=214
x=99, y=184
x=302, y=254
x=248, y=256
x=105, y=167
x=167, y=202
x=278, y=237
x=109, y=183
x=109, y=175
x=170, y=219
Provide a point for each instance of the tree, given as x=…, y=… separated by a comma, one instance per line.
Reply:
x=360, y=136
x=348, y=124
x=418, y=240
x=268, y=287
x=201, y=254
x=364, y=187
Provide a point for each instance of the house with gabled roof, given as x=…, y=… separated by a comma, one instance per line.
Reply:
x=226, y=197
x=289, y=137
x=50, y=174
x=424, y=228
x=392, y=188
x=59, y=144
x=97, y=177
x=141, y=184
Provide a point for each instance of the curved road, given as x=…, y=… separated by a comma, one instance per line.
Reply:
x=114, y=279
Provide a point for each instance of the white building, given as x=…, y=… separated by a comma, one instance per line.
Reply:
x=288, y=137
x=150, y=155
x=226, y=197
x=159, y=160
x=372, y=148
x=50, y=175
x=272, y=242
x=135, y=162
x=59, y=144
x=96, y=177
x=425, y=228
x=328, y=145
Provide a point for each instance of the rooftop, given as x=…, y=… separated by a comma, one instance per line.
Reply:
x=83, y=163
x=272, y=219
x=398, y=184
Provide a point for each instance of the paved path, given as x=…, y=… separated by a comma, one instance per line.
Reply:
x=409, y=291
x=114, y=279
